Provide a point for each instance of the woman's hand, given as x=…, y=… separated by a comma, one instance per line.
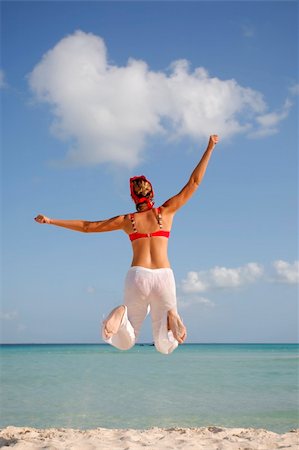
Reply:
x=213, y=140
x=42, y=219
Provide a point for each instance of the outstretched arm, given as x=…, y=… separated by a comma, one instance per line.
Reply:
x=176, y=202
x=115, y=223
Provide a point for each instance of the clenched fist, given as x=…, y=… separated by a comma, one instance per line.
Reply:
x=213, y=140
x=42, y=219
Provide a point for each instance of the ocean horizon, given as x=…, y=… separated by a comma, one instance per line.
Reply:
x=3, y=344
x=84, y=386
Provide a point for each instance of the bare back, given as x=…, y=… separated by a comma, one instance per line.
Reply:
x=149, y=252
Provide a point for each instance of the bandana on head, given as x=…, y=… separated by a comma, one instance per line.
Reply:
x=136, y=198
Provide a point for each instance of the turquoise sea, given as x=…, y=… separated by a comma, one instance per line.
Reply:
x=89, y=386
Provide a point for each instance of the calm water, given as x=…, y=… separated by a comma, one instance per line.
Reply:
x=89, y=386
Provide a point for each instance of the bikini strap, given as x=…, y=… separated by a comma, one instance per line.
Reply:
x=133, y=222
x=159, y=218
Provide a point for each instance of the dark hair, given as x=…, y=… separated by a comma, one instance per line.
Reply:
x=138, y=206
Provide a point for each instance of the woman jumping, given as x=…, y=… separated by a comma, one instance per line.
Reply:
x=149, y=284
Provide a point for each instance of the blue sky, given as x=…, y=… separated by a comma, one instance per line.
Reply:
x=95, y=92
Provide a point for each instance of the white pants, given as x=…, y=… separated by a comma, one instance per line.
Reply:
x=147, y=290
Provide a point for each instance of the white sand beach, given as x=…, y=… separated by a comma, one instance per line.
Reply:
x=208, y=438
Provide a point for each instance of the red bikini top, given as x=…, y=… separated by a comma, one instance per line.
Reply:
x=136, y=235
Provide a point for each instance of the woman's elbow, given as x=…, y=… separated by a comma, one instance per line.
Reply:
x=85, y=227
x=194, y=182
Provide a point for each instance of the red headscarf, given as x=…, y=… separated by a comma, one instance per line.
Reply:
x=137, y=199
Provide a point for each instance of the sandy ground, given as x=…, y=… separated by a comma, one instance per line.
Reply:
x=209, y=438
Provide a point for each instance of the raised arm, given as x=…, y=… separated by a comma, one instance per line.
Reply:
x=176, y=202
x=115, y=223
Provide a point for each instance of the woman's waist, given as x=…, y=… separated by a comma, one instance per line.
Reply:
x=150, y=269
x=150, y=253
x=150, y=262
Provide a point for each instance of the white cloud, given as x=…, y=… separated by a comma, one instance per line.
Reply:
x=195, y=282
x=286, y=272
x=188, y=301
x=221, y=277
x=8, y=315
x=91, y=290
x=107, y=112
x=268, y=123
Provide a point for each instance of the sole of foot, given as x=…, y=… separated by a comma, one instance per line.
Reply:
x=177, y=327
x=112, y=323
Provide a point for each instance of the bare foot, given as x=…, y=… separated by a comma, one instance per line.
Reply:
x=113, y=321
x=176, y=326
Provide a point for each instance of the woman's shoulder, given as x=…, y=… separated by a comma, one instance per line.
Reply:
x=164, y=210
